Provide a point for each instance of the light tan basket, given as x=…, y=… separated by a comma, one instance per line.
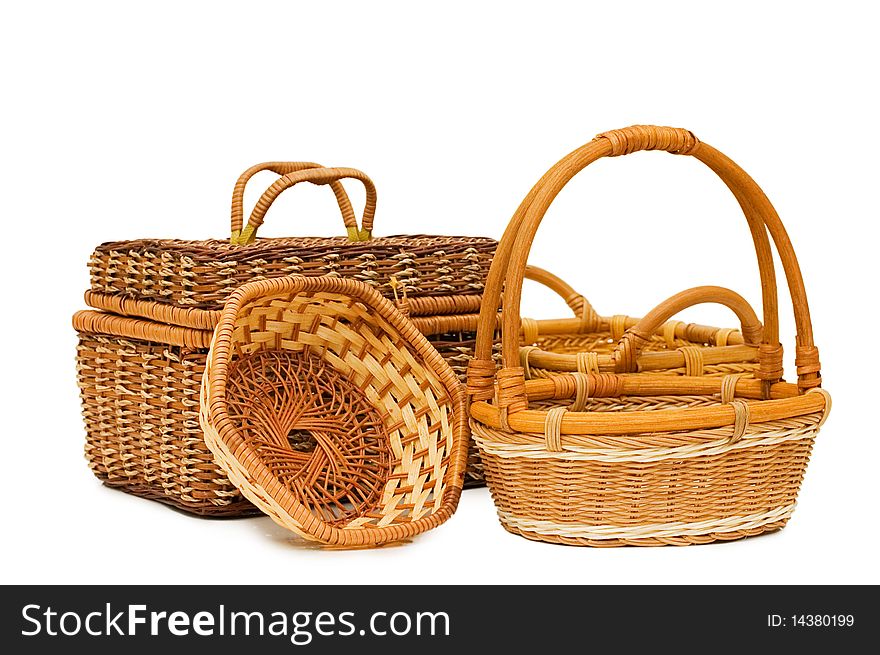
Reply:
x=332, y=413
x=613, y=456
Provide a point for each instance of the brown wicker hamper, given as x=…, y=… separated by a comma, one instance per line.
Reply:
x=143, y=346
x=618, y=452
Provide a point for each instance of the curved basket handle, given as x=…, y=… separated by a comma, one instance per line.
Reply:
x=507, y=267
x=635, y=338
x=285, y=168
x=576, y=301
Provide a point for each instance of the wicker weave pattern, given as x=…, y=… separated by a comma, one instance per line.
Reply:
x=141, y=409
x=388, y=367
x=202, y=274
x=313, y=429
x=646, y=492
x=127, y=436
x=140, y=396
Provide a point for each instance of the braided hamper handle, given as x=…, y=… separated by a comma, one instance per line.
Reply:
x=285, y=168
x=510, y=259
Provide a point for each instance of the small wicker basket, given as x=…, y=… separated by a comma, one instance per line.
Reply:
x=620, y=454
x=332, y=413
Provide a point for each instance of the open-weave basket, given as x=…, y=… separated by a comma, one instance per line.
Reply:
x=332, y=413
x=614, y=456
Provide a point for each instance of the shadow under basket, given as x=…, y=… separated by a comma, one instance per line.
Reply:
x=332, y=413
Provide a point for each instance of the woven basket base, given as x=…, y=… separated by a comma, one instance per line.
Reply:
x=671, y=541
x=316, y=431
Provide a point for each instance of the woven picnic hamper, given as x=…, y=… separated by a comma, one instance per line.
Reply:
x=620, y=456
x=143, y=345
x=332, y=413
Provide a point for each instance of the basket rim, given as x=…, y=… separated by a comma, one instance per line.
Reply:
x=785, y=401
x=217, y=422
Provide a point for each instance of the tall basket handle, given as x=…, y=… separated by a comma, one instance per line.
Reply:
x=284, y=168
x=507, y=267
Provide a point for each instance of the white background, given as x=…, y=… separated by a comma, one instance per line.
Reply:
x=133, y=120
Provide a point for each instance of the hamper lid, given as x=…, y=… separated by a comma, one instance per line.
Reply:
x=187, y=282
x=332, y=413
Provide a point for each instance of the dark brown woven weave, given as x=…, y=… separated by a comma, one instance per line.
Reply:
x=202, y=274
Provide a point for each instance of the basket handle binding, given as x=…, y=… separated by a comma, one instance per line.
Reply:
x=285, y=168
x=510, y=259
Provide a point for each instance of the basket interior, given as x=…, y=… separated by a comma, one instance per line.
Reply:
x=313, y=430
x=341, y=408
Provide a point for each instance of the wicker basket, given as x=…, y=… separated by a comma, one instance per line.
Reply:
x=621, y=457
x=586, y=343
x=332, y=413
x=140, y=358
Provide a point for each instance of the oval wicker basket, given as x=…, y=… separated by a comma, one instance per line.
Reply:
x=332, y=413
x=614, y=456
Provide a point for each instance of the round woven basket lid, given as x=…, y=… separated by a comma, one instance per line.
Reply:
x=332, y=413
